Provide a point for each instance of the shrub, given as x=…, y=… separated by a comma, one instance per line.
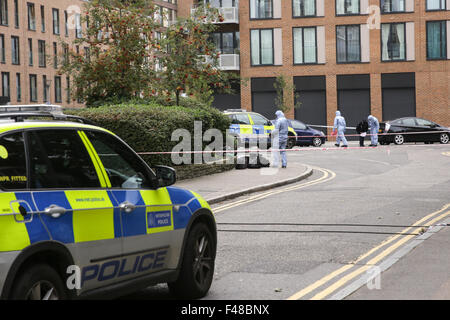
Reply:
x=149, y=127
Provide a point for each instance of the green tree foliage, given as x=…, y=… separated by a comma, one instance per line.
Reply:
x=119, y=58
x=189, y=58
x=113, y=51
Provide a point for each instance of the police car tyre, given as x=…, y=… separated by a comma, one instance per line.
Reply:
x=444, y=138
x=399, y=139
x=39, y=282
x=197, y=269
x=317, y=142
x=291, y=142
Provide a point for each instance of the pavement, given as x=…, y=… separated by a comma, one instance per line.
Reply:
x=228, y=185
x=422, y=274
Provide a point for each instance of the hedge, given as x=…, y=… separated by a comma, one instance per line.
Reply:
x=149, y=127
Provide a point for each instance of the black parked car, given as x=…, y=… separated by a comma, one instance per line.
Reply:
x=412, y=129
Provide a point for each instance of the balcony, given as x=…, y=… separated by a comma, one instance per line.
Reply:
x=229, y=14
x=228, y=62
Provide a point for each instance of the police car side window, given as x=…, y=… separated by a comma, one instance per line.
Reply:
x=125, y=170
x=259, y=120
x=242, y=118
x=59, y=159
x=13, y=171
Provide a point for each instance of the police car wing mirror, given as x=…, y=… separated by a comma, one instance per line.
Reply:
x=165, y=176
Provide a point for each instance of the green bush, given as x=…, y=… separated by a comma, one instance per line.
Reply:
x=149, y=127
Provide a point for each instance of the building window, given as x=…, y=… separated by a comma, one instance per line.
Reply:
x=15, y=50
x=55, y=14
x=305, y=45
x=5, y=84
x=78, y=29
x=4, y=12
x=42, y=54
x=304, y=8
x=18, y=87
x=33, y=88
x=30, y=52
x=262, y=47
x=42, y=18
x=68, y=90
x=261, y=9
x=58, y=97
x=436, y=40
x=45, y=88
x=436, y=4
x=55, y=55
x=393, y=42
x=31, y=17
x=66, y=24
x=226, y=42
x=2, y=49
x=347, y=7
x=348, y=43
x=393, y=6
x=16, y=14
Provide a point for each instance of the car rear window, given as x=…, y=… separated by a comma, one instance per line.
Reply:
x=13, y=170
x=59, y=159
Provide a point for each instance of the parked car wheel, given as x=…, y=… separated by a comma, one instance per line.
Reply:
x=444, y=138
x=197, y=269
x=399, y=139
x=291, y=142
x=39, y=282
x=317, y=142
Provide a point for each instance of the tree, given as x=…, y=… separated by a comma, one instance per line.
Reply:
x=116, y=58
x=189, y=60
x=285, y=102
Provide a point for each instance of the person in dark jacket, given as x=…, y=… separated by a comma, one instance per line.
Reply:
x=362, y=129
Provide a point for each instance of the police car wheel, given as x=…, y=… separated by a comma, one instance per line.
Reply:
x=444, y=138
x=197, y=268
x=39, y=282
x=291, y=142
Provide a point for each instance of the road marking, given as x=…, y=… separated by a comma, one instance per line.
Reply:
x=328, y=175
x=446, y=154
x=369, y=264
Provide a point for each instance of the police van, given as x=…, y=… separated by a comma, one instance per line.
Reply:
x=82, y=215
x=252, y=128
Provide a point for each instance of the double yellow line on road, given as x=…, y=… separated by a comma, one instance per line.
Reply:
x=435, y=216
x=328, y=175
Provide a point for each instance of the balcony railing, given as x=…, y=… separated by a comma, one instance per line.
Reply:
x=228, y=62
x=229, y=14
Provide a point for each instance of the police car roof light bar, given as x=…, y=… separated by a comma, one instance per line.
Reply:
x=41, y=108
x=21, y=112
x=235, y=110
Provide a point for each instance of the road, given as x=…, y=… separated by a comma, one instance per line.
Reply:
x=355, y=222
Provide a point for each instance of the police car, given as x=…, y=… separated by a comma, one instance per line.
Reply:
x=252, y=128
x=82, y=215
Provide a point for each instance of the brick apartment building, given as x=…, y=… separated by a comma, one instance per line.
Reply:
x=31, y=32
x=333, y=51
x=338, y=57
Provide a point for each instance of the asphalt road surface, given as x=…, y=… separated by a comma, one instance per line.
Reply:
x=344, y=233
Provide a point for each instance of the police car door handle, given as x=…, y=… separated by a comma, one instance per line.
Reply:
x=126, y=206
x=55, y=211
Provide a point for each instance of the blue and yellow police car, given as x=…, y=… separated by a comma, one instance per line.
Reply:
x=82, y=215
x=252, y=128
